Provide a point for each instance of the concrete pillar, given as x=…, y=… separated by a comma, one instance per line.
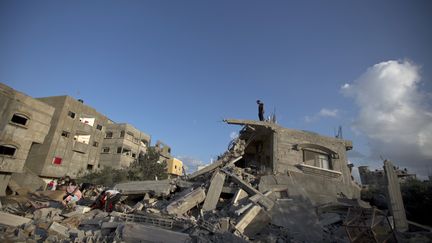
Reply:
x=214, y=191
x=395, y=202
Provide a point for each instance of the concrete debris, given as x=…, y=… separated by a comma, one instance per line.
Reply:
x=189, y=201
x=12, y=220
x=242, y=197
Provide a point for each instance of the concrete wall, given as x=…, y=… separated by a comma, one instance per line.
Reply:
x=295, y=159
x=63, y=140
x=123, y=136
x=22, y=137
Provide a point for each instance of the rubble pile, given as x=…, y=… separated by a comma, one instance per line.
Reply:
x=220, y=203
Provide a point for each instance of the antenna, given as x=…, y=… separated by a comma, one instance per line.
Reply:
x=273, y=116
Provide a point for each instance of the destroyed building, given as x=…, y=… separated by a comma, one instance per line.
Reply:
x=271, y=185
x=56, y=136
x=73, y=142
x=122, y=145
x=377, y=177
x=164, y=151
x=24, y=124
x=309, y=164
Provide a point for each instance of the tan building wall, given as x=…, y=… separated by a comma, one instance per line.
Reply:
x=24, y=124
x=73, y=143
x=121, y=145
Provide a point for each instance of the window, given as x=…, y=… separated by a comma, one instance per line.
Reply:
x=95, y=144
x=71, y=114
x=7, y=150
x=89, y=167
x=133, y=155
x=57, y=160
x=65, y=134
x=87, y=120
x=119, y=150
x=82, y=138
x=108, y=135
x=122, y=134
x=99, y=127
x=317, y=159
x=19, y=119
x=106, y=150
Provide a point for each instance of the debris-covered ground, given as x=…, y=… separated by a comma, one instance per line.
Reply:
x=220, y=203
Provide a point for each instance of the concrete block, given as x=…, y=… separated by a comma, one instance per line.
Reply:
x=239, y=196
x=12, y=220
x=158, y=188
x=253, y=221
x=214, y=191
x=187, y=202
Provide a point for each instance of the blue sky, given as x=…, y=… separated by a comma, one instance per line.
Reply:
x=175, y=69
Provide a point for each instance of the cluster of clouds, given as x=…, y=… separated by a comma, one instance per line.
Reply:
x=324, y=112
x=394, y=113
x=190, y=163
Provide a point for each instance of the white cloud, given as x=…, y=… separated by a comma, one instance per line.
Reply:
x=328, y=112
x=393, y=112
x=190, y=163
x=324, y=112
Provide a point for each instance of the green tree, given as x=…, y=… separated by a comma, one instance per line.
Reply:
x=148, y=167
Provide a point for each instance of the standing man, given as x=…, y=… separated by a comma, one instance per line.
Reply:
x=260, y=110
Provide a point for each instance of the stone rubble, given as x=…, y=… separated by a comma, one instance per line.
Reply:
x=220, y=203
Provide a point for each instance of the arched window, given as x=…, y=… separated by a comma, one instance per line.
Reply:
x=7, y=150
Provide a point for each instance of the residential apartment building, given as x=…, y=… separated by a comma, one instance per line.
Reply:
x=24, y=124
x=73, y=143
x=122, y=145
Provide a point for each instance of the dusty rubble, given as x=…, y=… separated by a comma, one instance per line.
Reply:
x=220, y=203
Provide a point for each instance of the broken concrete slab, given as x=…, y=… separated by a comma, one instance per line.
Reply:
x=239, y=196
x=157, y=188
x=253, y=221
x=395, y=202
x=264, y=201
x=187, y=202
x=12, y=220
x=214, y=191
x=142, y=233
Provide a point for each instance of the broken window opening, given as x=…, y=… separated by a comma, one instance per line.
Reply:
x=126, y=152
x=71, y=114
x=82, y=138
x=7, y=150
x=87, y=120
x=99, y=127
x=317, y=159
x=119, y=150
x=19, y=119
x=89, y=167
x=122, y=134
x=95, y=144
x=65, y=134
x=133, y=155
x=105, y=150
x=108, y=135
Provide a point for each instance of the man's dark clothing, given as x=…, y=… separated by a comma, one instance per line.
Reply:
x=261, y=111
